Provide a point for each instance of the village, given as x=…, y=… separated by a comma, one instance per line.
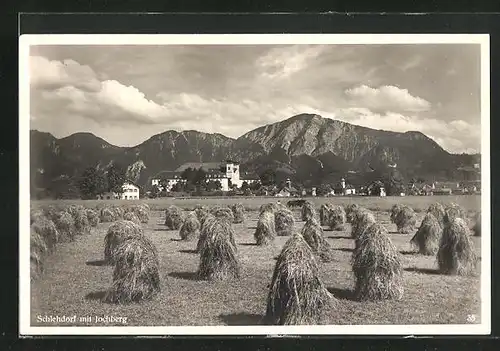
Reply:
x=231, y=183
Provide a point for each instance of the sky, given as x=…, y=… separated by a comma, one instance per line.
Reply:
x=126, y=94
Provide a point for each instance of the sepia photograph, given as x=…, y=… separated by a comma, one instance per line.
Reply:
x=254, y=184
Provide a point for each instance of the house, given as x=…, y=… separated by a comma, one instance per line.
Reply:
x=343, y=188
x=288, y=190
x=227, y=173
x=376, y=189
x=447, y=188
x=421, y=188
x=130, y=191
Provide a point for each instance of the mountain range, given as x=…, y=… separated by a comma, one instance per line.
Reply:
x=307, y=148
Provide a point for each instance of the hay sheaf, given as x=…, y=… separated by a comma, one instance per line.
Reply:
x=190, y=229
x=142, y=213
x=350, y=212
x=428, y=235
x=362, y=219
x=476, y=228
x=308, y=211
x=117, y=233
x=107, y=215
x=395, y=212
x=437, y=210
x=283, y=222
x=82, y=224
x=118, y=212
x=48, y=231
x=223, y=212
x=132, y=217
x=453, y=211
x=269, y=207
x=174, y=217
x=65, y=225
x=36, y=214
x=136, y=274
x=93, y=217
x=38, y=249
x=218, y=253
x=265, y=233
x=456, y=254
x=324, y=213
x=377, y=266
x=336, y=218
x=297, y=296
x=205, y=223
x=238, y=213
x=405, y=220
x=312, y=232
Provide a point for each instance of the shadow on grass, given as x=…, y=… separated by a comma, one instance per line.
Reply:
x=408, y=252
x=184, y=275
x=96, y=296
x=241, y=318
x=248, y=244
x=162, y=230
x=342, y=294
x=252, y=228
x=189, y=251
x=423, y=270
x=345, y=249
x=175, y=239
x=339, y=237
x=97, y=263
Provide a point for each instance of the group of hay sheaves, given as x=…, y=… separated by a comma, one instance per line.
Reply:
x=51, y=225
x=296, y=293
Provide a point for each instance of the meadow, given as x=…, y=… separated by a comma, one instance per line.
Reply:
x=75, y=277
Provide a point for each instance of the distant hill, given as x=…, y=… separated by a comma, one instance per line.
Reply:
x=308, y=148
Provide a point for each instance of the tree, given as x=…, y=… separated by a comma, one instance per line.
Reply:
x=268, y=177
x=244, y=186
x=116, y=176
x=92, y=183
x=213, y=185
x=155, y=191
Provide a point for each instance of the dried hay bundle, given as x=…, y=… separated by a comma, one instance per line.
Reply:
x=36, y=265
x=218, y=253
x=65, y=225
x=336, y=218
x=266, y=228
x=297, y=294
x=377, y=266
x=453, y=211
x=405, y=220
x=476, y=228
x=93, y=217
x=350, y=212
x=36, y=214
x=174, y=217
x=437, y=210
x=308, y=211
x=48, y=231
x=190, y=229
x=283, y=222
x=73, y=209
x=269, y=207
x=142, y=212
x=362, y=219
x=396, y=208
x=238, y=213
x=324, y=213
x=117, y=233
x=456, y=254
x=107, y=215
x=312, y=232
x=223, y=212
x=136, y=275
x=118, y=211
x=38, y=249
x=82, y=224
x=205, y=223
x=428, y=235
x=51, y=212
x=132, y=217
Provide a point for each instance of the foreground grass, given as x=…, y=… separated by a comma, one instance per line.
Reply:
x=74, y=281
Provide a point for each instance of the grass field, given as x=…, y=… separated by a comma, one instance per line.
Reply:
x=75, y=279
x=418, y=203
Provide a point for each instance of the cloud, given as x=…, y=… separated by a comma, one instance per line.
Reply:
x=46, y=74
x=386, y=97
x=283, y=62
